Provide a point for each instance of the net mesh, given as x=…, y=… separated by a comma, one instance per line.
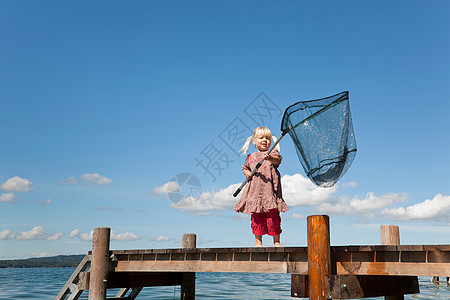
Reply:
x=322, y=132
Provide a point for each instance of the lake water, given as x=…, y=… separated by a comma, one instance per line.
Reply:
x=45, y=284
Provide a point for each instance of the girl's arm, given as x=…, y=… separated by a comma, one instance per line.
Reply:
x=247, y=173
x=246, y=167
x=274, y=159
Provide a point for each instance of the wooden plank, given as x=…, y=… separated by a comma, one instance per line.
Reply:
x=142, y=279
x=393, y=268
x=212, y=250
x=438, y=256
x=209, y=266
x=131, y=296
x=363, y=286
x=353, y=248
x=122, y=292
x=128, y=280
x=343, y=267
x=75, y=295
x=299, y=286
x=134, y=293
x=83, y=282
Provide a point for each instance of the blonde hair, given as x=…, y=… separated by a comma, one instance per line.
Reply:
x=260, y=131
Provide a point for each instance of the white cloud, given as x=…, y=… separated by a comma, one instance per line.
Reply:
x=74, y=233
x=96, y=179
x=38, y=233
x=86, y=236
x=298, y=216
x=297, y=191
x=208, y=201
x=169, y=187
x=70, y=180
x=7, y=197
x=372, y=202
x=47, y=202
x=17, y=184
x=351, y=184
x=55, y=237
x=124, y=237
x=163, y=238
x=437, y=208
x=367, y=207
x=300, y=191
x=6, y=234
x=121, y=237
x=340, y=207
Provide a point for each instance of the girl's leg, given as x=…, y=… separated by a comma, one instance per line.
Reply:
x=258, y=239
x=274, y=226
x=276, y=241
x=259, y=227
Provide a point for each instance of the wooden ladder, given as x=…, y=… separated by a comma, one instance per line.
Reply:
x=71, y=287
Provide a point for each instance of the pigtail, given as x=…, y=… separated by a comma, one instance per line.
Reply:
x=244, y=148
x=277, y=147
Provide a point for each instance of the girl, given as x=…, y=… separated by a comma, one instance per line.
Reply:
x=262, y=198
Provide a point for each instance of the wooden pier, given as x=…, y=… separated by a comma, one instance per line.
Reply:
x=319, y=271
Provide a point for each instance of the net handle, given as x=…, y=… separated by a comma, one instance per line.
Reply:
x=258, y=165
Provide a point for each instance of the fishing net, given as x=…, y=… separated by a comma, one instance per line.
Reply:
x=322, y=132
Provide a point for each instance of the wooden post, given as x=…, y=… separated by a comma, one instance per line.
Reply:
x=390, y=235
x=319, y=262
x=99, y=263
x=189, y=240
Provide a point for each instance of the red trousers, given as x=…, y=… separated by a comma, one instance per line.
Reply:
x=266, y=223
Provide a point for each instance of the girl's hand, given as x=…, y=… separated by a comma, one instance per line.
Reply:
x=247, y=174
x=276, y=160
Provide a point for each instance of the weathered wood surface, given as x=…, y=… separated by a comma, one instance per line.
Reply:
x=363, y=286
x=134, y=279
x=412, y=260
x=319, y=259
x=187, y=291
x=299, y=286
x=100, y=263
x=390, y=235
x=189, y=240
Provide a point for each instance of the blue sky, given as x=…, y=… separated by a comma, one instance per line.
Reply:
x=104, y=104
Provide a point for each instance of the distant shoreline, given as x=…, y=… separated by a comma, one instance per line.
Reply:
x=60, y=261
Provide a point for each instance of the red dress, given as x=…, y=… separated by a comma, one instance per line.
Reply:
x=263, y=192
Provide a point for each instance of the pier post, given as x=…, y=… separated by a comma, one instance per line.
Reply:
x=319, y=262
x=390, y=235
x=99, y=263
x=189, y=240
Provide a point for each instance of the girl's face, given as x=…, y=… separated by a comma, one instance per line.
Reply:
x=262, y=143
